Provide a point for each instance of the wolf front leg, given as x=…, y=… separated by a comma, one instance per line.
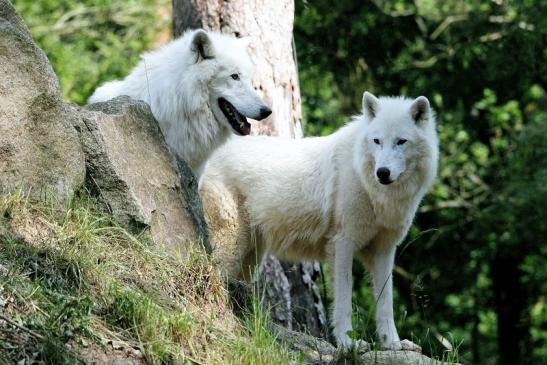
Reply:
x=380, y=261
x=382, y=268
x=343, y=257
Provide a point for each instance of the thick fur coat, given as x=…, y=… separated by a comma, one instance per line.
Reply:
x=353, y=193
x=198, y=88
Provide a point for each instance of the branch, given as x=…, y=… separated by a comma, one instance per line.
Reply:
x=21, y=327
x=446, y=23
x=452, y=204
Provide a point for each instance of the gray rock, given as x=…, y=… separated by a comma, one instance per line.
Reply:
x=115, y=148
x=39, y=148
x=130, y=168
x=317, y=351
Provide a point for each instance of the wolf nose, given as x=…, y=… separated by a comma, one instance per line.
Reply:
x=265, y=112
x=383, y=173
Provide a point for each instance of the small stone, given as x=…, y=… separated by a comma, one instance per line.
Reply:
x=116, y=345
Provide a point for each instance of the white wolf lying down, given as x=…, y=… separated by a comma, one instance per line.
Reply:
x=199, y=89
x=354, y=192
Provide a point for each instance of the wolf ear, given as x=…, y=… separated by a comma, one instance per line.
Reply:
x=420, y=109
x=202, y=46
x=370, y=105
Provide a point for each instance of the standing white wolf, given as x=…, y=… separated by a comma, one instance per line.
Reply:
x=198, y=88
x=354, y=192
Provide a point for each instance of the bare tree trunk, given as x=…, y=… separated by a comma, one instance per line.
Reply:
x=290, y=289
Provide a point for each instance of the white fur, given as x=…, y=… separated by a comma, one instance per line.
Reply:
x=319, y=199
x=182, y=82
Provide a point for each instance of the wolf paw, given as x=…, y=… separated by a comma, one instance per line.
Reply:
x=404, y=345
x=359, y=345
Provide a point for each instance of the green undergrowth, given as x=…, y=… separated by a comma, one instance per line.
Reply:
x=77, y=288
x=441, y=347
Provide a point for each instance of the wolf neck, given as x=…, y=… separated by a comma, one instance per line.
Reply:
x=196, y=132
x=395, y=205
x=195, y=136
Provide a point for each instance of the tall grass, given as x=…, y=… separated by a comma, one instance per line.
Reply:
x=79, y=283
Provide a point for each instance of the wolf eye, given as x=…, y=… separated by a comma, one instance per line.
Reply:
x=376, y=140
x=401, y=141
x=234, y=76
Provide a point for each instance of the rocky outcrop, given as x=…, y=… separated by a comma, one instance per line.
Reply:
x=320, y=352
x=39, y=149
x=130, y=168
x=115, y=149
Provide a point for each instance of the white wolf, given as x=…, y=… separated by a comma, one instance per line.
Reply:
x=354, y=192
x=199, y=88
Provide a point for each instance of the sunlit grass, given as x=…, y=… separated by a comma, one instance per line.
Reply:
x=76, y=281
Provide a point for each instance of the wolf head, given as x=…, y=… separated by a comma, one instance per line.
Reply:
x=397, y=140
x=229, y=71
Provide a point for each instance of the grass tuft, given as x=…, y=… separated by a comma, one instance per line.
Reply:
x=80, y=285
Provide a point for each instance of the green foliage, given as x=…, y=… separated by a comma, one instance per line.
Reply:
x=483, y=65
x=92, y=41
x=259, y=326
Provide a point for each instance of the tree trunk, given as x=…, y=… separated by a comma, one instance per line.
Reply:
x=290, y=289
x=511, y=309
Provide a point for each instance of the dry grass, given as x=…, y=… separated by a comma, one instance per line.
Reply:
x=77, y=281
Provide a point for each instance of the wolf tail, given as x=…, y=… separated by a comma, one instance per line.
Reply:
x=106, y=92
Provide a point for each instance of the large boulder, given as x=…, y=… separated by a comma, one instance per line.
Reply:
x=130, y=168
x=115, y=148
x=39, y=148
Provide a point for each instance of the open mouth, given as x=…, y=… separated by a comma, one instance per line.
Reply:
x=237, y=121
x=385, y=181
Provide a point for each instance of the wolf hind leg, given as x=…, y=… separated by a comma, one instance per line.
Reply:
x=228, y=227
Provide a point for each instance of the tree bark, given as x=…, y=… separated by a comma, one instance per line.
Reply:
x=290, y=289
x=308, y=312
